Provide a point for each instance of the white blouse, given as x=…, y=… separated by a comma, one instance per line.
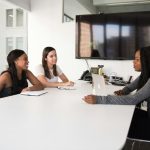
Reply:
x=39, y=70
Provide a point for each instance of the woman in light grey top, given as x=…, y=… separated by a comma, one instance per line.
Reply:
x=141, y=84
x=126, y=99
x=140, y=125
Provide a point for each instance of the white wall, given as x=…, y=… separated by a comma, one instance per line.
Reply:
x=2, y=39
x=46, y=29
x=22, y=3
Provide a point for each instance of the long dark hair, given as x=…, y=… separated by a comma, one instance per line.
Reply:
x=145, y=66
x=11, y=58
x=44, y=62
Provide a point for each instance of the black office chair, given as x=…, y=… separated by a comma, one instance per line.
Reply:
x=139, y=132
x=136, y=144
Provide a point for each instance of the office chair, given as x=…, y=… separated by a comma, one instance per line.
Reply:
x=136, y=144
x=139, y=132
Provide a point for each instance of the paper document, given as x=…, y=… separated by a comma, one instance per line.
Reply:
x=33, y=93
x=66, y=87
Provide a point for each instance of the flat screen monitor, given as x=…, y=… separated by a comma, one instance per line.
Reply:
x=113, y=36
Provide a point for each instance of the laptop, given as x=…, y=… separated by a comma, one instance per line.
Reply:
x=98, y=84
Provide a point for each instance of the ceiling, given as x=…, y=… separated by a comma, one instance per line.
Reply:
x=118, y=2
x=78, y=7
x=98, y=5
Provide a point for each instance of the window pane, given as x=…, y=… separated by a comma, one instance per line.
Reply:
x=19, y=17
x=9, y=17
x=9, y=44
x=98, y=41
x=19, y=42
x=112, y=36
x=128, y=33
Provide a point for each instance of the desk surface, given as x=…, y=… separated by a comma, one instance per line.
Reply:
x=60, y=120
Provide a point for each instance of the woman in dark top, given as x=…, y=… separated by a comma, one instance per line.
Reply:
x=14, y=79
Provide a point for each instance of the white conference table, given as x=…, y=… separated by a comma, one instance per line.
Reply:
x=61, y=120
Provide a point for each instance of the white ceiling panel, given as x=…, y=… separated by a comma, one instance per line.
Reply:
x=118, y=2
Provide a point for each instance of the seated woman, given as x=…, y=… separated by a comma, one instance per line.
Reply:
x=14, y=79
x=139, y=128
x=49, y=72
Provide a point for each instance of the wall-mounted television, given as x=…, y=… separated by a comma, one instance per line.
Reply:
x=113, y=36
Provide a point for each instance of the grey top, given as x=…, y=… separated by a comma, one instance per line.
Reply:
x=127, y=99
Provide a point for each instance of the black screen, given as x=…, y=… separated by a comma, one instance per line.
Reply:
x=112, y=36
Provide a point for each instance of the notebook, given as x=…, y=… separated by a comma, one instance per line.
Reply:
x=98, y=84
x=33, y=93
